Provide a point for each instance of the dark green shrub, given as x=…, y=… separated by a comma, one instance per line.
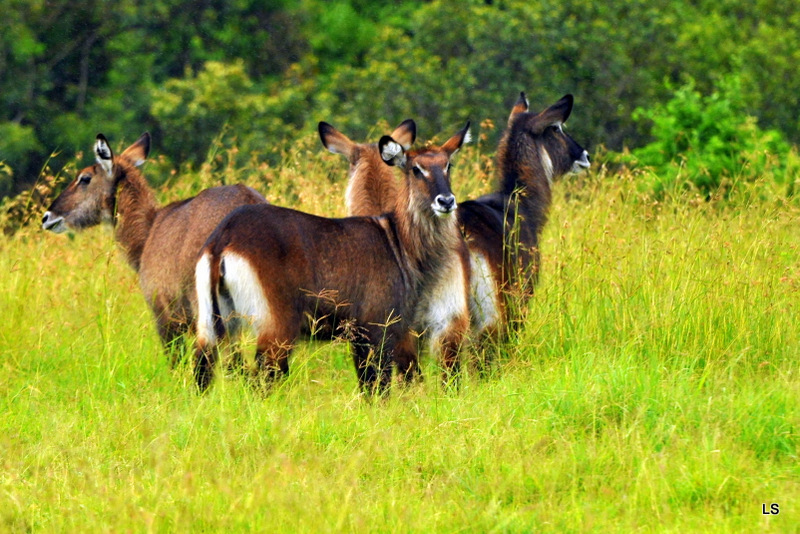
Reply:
x=710, y=142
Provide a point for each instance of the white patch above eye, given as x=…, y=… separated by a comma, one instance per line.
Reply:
x=559, y=127
x=425, y=173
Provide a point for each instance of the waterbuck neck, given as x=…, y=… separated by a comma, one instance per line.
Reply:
x=427, y=242
x=525, y=179
x=135, y=209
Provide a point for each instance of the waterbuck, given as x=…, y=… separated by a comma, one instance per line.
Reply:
x=371, y=188
x=278, y=268
x=161, y=244
x=502, y=229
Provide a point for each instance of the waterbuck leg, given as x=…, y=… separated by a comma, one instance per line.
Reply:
x=171, y=333
x=450, y=344
x=204, y=360
x=486, y=349
x=364, y=361
x=371, y=355
x=272, y=359
x=406, y=358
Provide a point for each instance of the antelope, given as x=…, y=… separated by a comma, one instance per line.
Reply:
x=502, y=229
x=270, y=266
x=372, y=190
x=160, y=243
x=371, y=187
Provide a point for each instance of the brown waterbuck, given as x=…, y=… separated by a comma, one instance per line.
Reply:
x=371, y=187
x=160, y=243
x=502, y=229
x=281, y=269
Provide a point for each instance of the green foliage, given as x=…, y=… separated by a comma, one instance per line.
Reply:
x=70, y=70
x=344, y=34
x=17, y=143
x=221, y=98
x=710, y=141
x=6, y=183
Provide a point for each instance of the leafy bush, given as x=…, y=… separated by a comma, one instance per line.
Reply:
x=17, y=142
x=220, y=99
x=710, y=142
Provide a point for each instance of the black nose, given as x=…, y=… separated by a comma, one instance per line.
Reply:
x=446, y=202
x=46, y=216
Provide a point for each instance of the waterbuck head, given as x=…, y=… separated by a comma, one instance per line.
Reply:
x=427, y=173
x=90, y=198
x=544, y=133
x=371, y=187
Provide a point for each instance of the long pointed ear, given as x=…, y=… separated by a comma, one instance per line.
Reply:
x=138, y=151
x=103, y=155
x=334, y=140
x=521, y=106
x=405, y=133
x=452, y=145
x=559, y=112
x=392, y=152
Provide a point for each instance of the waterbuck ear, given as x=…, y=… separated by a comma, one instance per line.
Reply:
x=559, y=112
x=392, y=152
x=521, y=106
x=103, y=155
x=334, y=140
x=452, y=145
x=137, y=153
x=406, y=133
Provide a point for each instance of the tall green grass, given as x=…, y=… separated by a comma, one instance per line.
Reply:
x=655, y=387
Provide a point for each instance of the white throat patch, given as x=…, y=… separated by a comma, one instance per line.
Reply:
x=547, y=165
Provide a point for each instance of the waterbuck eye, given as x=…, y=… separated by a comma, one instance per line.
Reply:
x=84, y=179
x=418, y=173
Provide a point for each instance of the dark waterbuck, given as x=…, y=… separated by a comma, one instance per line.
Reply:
x=502, y=229
x=371, y=187
x=161, y=244
x=281, y=269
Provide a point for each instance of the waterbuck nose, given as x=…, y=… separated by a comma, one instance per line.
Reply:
x=446, y=203
x=51, y=222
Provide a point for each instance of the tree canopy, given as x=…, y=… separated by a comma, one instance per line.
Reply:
x=265, y=72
